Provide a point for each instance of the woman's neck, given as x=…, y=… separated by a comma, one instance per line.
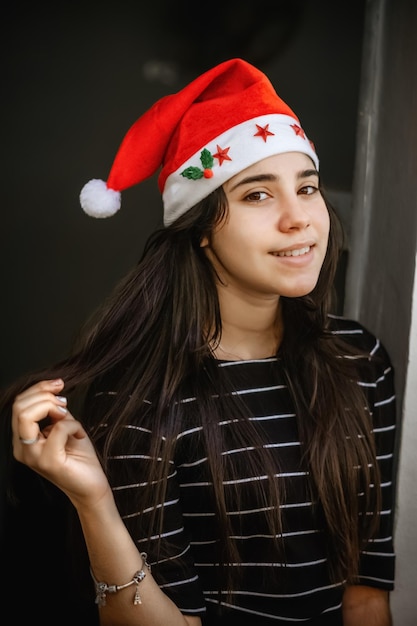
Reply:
x=250, y=329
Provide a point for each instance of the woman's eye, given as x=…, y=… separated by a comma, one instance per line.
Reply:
x=308, y=190
x=256, y=196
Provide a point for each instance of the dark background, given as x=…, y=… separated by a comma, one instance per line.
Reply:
x=75, y=77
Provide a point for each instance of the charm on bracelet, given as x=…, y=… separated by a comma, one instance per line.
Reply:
x=102, y=588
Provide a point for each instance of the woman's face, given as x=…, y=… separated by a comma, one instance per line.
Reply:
x=274, y=238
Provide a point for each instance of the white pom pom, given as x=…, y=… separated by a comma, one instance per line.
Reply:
x=97, y=200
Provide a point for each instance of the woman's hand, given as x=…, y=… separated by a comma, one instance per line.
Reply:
x=61, y=451
x=366, y=606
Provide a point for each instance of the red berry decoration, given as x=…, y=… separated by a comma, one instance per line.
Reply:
x=195, y=173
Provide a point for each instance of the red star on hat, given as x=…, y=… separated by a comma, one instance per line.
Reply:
x=222, y=154
x=298, y=130
x=263, y=132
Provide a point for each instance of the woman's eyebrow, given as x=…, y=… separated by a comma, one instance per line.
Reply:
x=259, y=178
x=308, y=173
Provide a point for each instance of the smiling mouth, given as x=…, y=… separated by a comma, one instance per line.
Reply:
x=297, y=252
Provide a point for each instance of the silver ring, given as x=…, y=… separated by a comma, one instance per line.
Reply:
x=28, y=442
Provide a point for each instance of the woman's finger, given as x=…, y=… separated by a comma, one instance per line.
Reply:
x=26, y=421
x=54, y=386
x=34, y=405
x=56, y=435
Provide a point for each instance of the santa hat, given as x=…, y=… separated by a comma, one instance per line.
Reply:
x=222, y=122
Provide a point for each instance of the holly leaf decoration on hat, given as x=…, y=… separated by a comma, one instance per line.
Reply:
x=195, y=173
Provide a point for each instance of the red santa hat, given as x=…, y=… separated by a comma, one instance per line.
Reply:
x=222, y=122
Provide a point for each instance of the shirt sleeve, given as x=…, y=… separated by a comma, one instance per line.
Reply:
x=377, y=564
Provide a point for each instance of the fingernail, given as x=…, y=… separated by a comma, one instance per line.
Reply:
x=62, y=399
x=63, y=409
x=57, y=382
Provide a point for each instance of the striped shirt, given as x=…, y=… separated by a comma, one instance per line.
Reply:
x=304, y=594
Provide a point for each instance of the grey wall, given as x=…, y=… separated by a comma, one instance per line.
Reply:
x=381, y=278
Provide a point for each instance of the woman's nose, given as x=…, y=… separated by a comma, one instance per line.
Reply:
x=293, y=215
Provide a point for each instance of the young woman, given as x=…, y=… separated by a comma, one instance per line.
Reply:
x=226, y=443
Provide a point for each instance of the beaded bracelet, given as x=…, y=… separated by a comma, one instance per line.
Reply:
x=103, y=588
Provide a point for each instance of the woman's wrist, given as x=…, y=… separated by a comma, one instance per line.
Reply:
x=96, y=506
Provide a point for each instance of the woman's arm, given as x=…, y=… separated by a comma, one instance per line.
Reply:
x=115, y=559
x=366, y=606
x=64, y=454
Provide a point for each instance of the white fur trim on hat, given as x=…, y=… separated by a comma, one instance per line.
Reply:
x=245, y=147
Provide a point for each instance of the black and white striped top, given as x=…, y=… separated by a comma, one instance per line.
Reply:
x=305, y=592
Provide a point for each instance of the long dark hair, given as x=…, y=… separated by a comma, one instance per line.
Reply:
x=157, y=329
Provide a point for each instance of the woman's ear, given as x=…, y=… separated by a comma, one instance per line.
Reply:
x=204, y=242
